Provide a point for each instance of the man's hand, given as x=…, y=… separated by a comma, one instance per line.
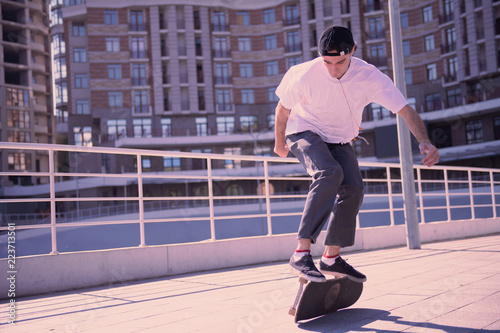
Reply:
x=431, y=154
x=281, y=150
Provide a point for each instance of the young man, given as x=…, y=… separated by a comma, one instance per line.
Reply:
x=319, y=113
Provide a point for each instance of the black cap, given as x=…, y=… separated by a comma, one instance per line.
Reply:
x=338, y=39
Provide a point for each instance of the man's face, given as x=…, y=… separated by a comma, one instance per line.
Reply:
x=337, y=65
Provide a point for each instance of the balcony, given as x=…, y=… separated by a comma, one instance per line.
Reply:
x=448, y=47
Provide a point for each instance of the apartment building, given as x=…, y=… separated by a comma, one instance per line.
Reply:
x=200, y=76
x=25, y=86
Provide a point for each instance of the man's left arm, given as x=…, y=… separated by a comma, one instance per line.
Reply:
x=417, y=127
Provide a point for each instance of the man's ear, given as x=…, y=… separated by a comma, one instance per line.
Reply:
x=354, y=48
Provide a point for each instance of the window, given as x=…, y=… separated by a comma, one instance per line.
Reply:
x=19, y=161
x=223, y=100
x=474, y=131
x=58, y=44
x=271, y=120
x=293, y=41
x=496, y=127
x=377, y=55
x=373, y=5
x=248, y=124
x=433, y=102
x=291, y=15
x=18, y=118
x=78, y=29
x=81, y=81
x=453, y=97
x=111, y=17
x=294, y=61
x=448, y=10
x=117, y=128
x=219, y=21
x=60, y=69
x=56, y=17
x=272, y=68
x=166, y=127
x=244, y=44
x=112, y=44
x=146, y=163
x=412, y=101
x=404, y=20
x=141, y=104
x=171, y=163
x=61, y=92
x=138, y=47
x=452, y=67
x=139, y=77
x=376, y=28
x=142, y=127
x=82, y=107
x=114, y=72
x=73, y=2
x=408, y=76
x=17, y=97
x=80, y=55
x=243, y=18
x=18, y=136
x=269, y=16
x=247, y=96
x=406, y=48
x=431, y=72
x=233, y=164
x=225, y=125
x=429, y=42
x=271, y=95
x=270, y=42
x=136, y=20
x=379, y=112
x=427, y=14
x=246, y=70
x=451, y=39
x=221, y=47
x=201, y=126
x=115, y=99
x=83, y=136
x=222, y=73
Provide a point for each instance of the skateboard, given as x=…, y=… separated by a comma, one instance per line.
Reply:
x=316, y=299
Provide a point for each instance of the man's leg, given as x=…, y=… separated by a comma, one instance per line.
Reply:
x=342, y=227
x=327, y=174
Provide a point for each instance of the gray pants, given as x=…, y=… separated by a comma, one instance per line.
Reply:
x=335, y=170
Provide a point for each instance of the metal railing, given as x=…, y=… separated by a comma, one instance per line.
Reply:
x=445, y=188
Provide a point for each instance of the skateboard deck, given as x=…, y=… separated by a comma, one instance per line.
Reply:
x=316, y=299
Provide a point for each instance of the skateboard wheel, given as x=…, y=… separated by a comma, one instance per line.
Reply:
x=292, y=312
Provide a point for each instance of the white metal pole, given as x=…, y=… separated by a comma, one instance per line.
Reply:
x=404, y=139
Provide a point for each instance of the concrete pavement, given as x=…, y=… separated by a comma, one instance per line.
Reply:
x=451, y=286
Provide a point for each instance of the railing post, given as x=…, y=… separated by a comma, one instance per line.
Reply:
x=447, y=193
x=420, y=195
x=140, y=191
x=471, y=196
x=389, y=193
x=268, y=199
x=493, y=199
x=211, y=198
x=52, y=189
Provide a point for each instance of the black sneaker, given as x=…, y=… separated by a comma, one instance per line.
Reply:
x=306, y=268
x=342, y=268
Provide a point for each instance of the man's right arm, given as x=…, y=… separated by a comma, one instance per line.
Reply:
x=280, y=120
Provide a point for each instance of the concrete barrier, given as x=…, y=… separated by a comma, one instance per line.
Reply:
x=42, y=274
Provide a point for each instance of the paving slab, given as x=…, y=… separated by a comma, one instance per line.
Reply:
x=451, y=286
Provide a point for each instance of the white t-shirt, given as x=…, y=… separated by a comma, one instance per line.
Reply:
x=330, y=107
